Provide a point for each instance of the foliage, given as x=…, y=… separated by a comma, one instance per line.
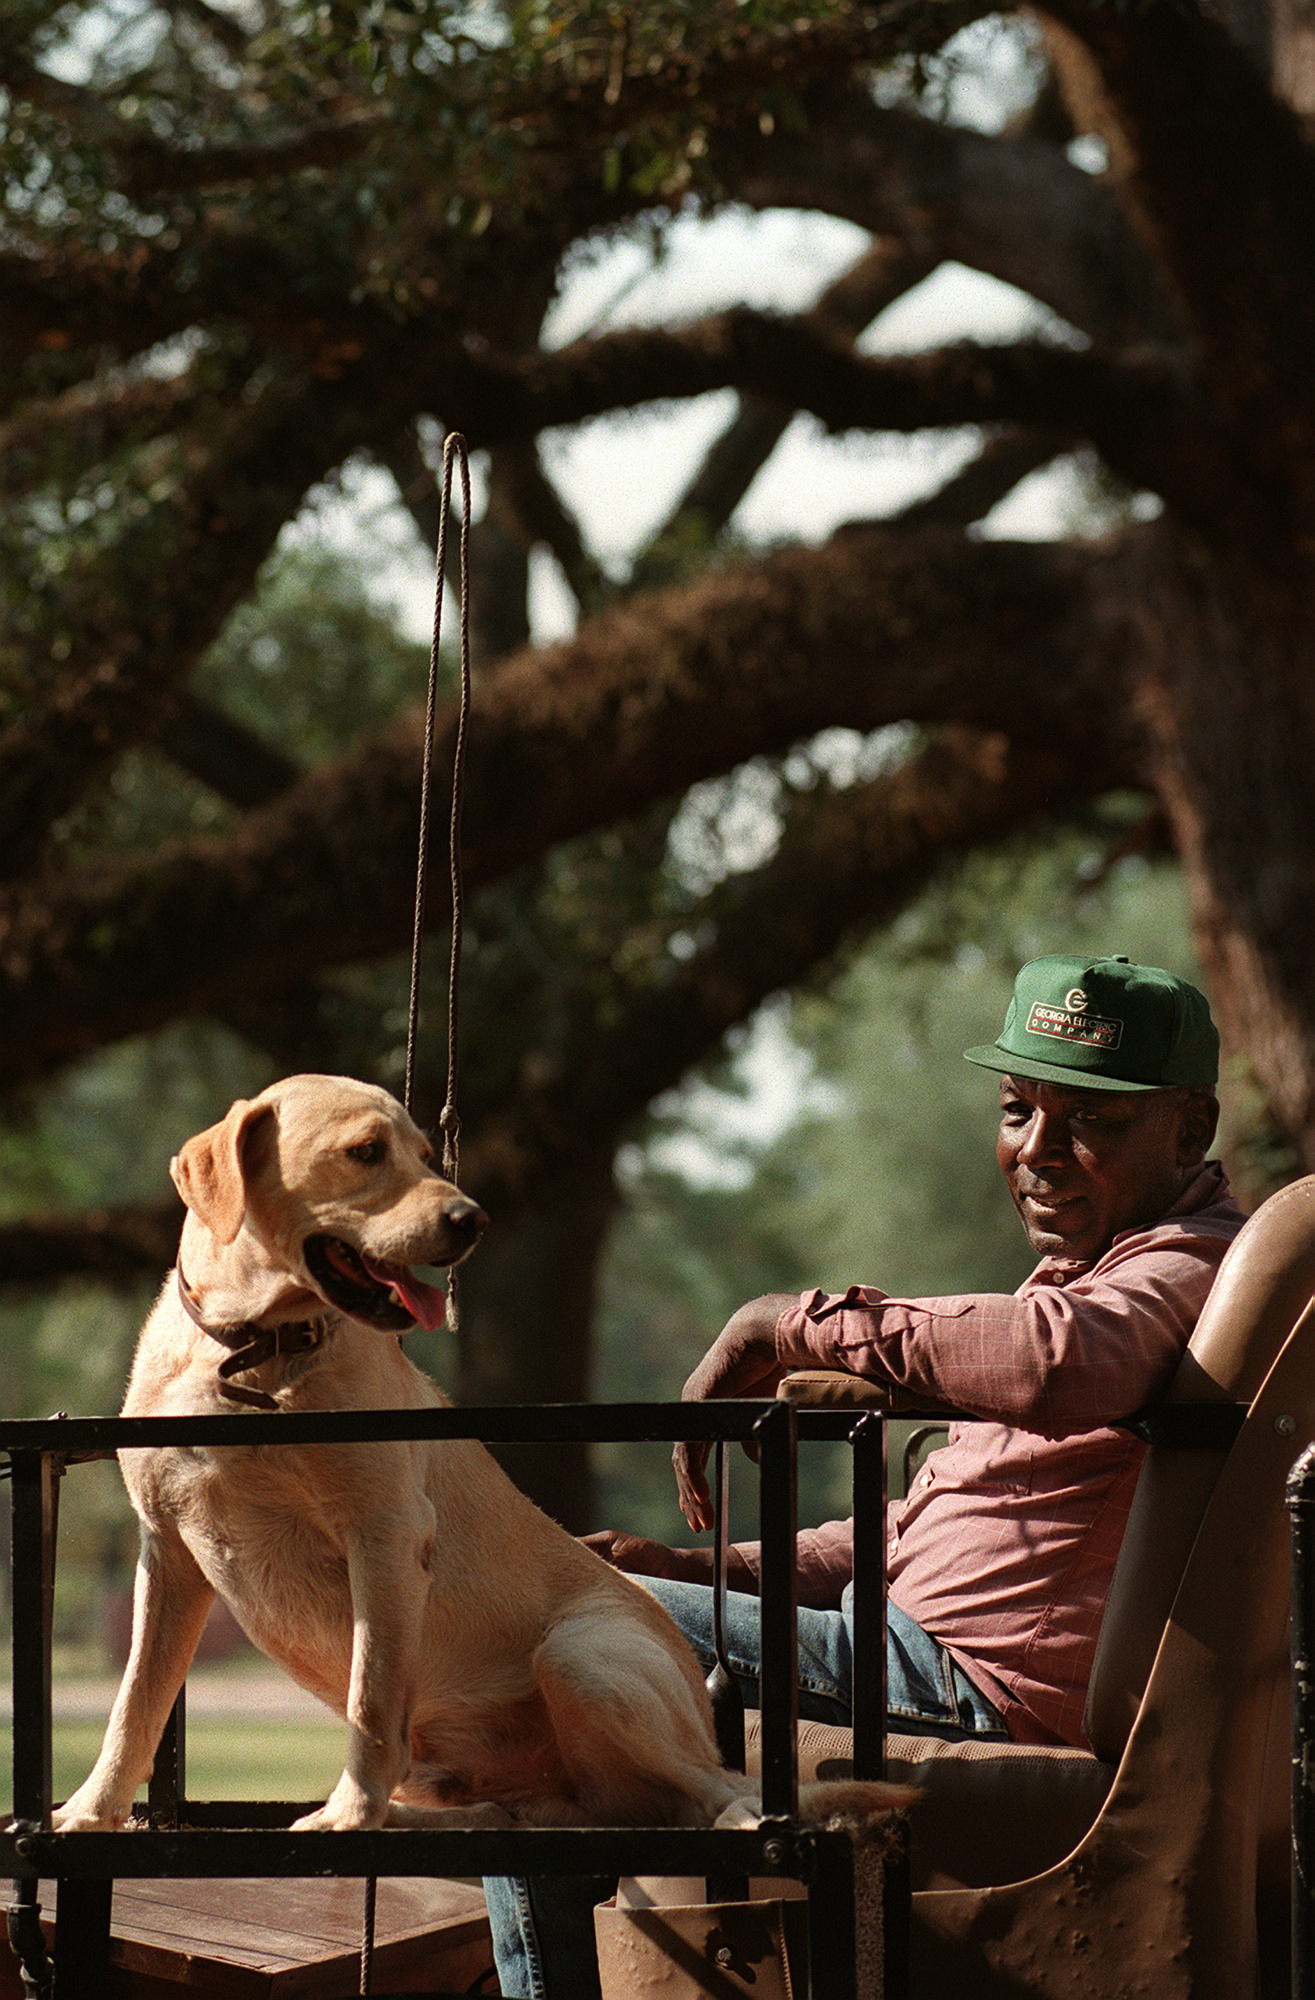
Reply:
x=311, y=659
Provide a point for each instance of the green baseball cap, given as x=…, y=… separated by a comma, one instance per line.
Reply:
x=1104, y=1024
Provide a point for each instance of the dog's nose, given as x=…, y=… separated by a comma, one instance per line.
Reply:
x=464, y=1217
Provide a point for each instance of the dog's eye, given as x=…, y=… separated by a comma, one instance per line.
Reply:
x=370, y=1152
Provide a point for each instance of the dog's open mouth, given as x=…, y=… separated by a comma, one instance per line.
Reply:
x=387, y=1295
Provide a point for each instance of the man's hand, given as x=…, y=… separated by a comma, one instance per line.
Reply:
x=741, y=1362
x=640, y=1557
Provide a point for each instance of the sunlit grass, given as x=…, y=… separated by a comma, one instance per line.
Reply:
x=226, y=1759
x=245, y=1756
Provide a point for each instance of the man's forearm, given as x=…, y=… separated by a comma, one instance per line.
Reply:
x=824, y=1562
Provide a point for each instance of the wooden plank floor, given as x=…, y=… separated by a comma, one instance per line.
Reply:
x=273, y=1939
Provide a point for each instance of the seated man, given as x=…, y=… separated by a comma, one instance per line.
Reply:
x=1001, y=1557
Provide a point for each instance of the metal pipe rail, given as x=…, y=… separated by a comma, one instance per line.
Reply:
x=212, y=1840
x=1301, y=1509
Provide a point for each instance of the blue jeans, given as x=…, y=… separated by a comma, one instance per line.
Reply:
x=543, y=1932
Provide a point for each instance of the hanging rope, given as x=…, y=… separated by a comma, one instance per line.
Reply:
x=367, y=1936
x=454, y=449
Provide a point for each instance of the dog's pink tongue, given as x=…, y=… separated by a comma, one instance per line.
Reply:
x=426, y=1304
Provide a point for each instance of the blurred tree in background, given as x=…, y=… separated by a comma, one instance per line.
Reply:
x=254, y=252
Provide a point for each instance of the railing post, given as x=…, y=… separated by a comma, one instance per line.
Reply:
x=1301, y=1506
x=166, y=1792
x=832, y=1925
x=725, y=1691
x=775, y=1433
x=35, y=1505
x=868, y=1443
x=34, y=1516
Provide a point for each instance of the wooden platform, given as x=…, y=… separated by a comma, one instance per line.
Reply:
x=267, y=1939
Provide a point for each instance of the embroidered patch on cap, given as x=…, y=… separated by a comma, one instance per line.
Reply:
x=1073, y=1024
x=1104, y=1024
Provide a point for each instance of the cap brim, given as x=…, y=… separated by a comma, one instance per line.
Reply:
x=1043, y=1072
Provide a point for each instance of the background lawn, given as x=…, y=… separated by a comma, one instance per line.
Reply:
x=250, y=1735
x=226, y=1758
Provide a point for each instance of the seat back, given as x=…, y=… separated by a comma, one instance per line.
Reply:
x=1171, y=1877
x=1264, y=1284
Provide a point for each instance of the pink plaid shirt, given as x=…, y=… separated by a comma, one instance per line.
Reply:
x=1005, y=1546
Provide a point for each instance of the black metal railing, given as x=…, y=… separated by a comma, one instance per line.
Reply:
x=254, y=1838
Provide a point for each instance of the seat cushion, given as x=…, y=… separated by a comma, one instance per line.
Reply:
x=989, y=1812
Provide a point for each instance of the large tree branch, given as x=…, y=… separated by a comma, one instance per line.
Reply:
x=884, y=273
x=133, y=623
x=536, y=511
x=1027, y=639
x=1139, y=409
x=222, y=752
x=154, y=610
x=1013, y=207
x=89, y=422
x=708, y=65
x=604, y=89
x=1133, y=407
x=163, y=597
x=788, y=360
x=1222, y=182
x=846, y=862
x=122, y=303
x=1005, y=458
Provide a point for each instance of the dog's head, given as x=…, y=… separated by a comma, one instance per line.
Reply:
x=334, y=1181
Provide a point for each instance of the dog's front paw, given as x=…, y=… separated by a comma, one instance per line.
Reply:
x=85, y=1812
x=348, y=1809
x=319, y=1821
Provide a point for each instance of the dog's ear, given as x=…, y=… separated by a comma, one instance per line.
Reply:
x=210, y=1171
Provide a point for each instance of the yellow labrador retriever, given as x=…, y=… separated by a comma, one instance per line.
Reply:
x=486, y=1664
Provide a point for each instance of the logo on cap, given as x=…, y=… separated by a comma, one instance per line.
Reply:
x=1104, y=1024
x=1072, y=1022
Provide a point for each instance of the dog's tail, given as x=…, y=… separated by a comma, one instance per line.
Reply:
x=857, y=1805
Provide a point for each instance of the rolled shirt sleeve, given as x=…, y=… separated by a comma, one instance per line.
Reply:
x=1069, y=1350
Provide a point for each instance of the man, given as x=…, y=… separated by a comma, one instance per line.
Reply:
x=1000, y=1558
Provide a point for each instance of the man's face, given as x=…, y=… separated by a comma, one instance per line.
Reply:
x=1083, y=1165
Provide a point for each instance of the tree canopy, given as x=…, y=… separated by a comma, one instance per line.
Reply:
x=250, y=246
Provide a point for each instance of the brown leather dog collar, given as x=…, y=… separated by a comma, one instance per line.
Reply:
x=251, y=1344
